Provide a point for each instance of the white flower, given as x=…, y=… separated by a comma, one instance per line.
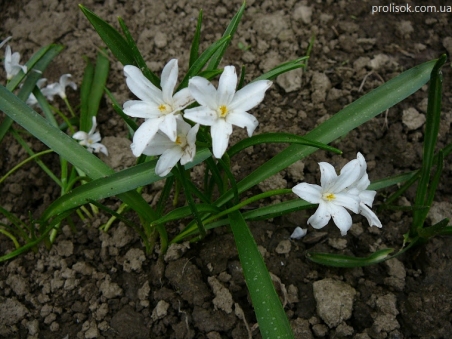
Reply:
x=183, y=148
x=32, y=101
x=91, y=140
x=223, y=107
x=332, y=196
x=366, y=196
x=5, y=41
x=299, y=233
x=59, y=87
x=158, y=107
x=12, y=66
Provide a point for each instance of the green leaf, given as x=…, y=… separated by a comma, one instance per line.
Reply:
x=267, y=138
x=139, y=60
x=283, y=68
x=433, y=119
x=197, y=66
x=338, y=260
x=229, y=32
x=38, y=62
x=85, y=93
x=194, y=50
x=112, y=38
x=66, y=147
x=272, y=319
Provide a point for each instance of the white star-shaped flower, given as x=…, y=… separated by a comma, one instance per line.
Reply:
x=12, y=66
x=336, y=193
x=183, y=148
x=332, y=195
x=158, y=107
x=91, y=140
x=59, y=87
x=223, y=107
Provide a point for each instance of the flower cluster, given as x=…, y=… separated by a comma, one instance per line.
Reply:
x=338, y=192
x=165, y=131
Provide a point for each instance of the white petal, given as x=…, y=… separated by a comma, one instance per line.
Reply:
x=328, y=176
x=169, y=79
x=141, y=109
x=144, y=134
x=167, y=161
x=95, y=137
x=243, y=119
x=97, y=147
x=347, y=200
x=349, y=175
x=309, y=192
x=321, y=217
x=220, y=131
x=5, y=41
x=363, y=182
x=182, y=99
x=226, y=86
x=191, y=135
x=159, y=144
x=367, y=197
x=169, y=126
x=80, y=135
x=341, y=218
x=141, y=86
x=204, y=92
x=182, y=126
x=299, y=233
x=371, y=217
x=250, y=96
x=201, y=115
x=93, y=126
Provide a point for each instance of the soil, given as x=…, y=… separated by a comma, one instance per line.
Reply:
x=93, y=284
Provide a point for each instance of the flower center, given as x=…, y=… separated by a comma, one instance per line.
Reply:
x=328, y=196
x=164, y=108
x=222, y=111
x=181, y=141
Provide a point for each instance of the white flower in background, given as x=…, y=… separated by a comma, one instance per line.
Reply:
x=366, y=196
x=12, y=66
x=5, y=41
x=32, y=101
x=91, y=140
x=59, y=87
x=183, y=148
x=299, y=233
x=223, y=107
x=333, y=196
x=158, y=107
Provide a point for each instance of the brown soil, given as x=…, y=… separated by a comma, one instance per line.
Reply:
x=93, y=284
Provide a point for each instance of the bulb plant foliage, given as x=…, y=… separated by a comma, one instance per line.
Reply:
x=177, y=126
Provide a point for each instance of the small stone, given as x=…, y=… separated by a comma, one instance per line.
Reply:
x=223, y=298
x=303, y=13
x=405, y=27
x=290, y=81
x=338, y=243
x=343, y=330
x=334, y=301
x=439, y=211
x=133, y=260
x=320, y=85
x=92, y=331
x=161, y=310
x=412, y=118
x=160, y=40
x=110, y=289
x=301, y=329
x=378, y=61
x=283, y=247
x=65, y=248
x=175, y=251
x=320, y=330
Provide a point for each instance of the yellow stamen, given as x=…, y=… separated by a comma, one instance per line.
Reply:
x=223, y=110
x=329, y=196
x=162, y=107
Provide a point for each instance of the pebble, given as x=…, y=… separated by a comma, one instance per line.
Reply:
x=412, y=119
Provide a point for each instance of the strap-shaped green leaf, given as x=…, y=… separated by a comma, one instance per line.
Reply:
x=283, y=68
x=267, y=138
x=339, y=260
x=112, y=38
x=194, y=50
x=273, y=322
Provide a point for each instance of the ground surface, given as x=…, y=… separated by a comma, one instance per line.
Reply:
x=97, y=285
